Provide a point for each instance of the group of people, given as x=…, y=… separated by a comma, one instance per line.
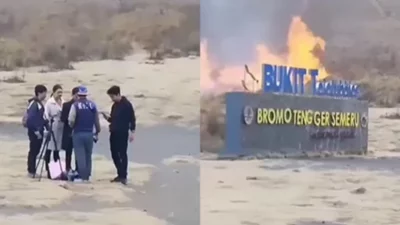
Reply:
x=73, y=127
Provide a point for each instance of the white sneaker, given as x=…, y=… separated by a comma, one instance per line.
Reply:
x=78, y=180
x=70, y=173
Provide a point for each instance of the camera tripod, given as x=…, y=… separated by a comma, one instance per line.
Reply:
x=46, y=141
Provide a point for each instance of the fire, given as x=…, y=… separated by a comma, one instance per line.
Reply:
x=304, y=50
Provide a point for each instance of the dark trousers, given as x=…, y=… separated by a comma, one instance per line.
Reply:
x=35, y=145
x=119, y=152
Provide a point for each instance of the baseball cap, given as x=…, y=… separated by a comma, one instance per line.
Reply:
x=82, y=90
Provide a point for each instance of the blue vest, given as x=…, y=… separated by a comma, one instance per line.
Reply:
x=85, y=116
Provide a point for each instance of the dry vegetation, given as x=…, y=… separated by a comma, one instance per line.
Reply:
x=60, y=32
x=212, y=120
x=374, y=67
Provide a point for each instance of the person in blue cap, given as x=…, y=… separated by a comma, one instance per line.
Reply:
x=83, y=118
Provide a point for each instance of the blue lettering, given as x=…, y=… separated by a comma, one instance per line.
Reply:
x=340, y=88
x=357, y=92
x=277, y=78
x=314, y=75
x=294, y=83
x=285, y=77
x=269, y=72
x=334, y=88
x=301, y=72
x=347, y=90
x=329, y=89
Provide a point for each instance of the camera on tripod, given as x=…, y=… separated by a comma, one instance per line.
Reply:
x=48, y=136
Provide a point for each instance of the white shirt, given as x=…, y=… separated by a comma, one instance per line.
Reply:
x=52, y=110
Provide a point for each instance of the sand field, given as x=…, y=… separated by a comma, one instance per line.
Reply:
x=164, y=93
x=283, y=191
x=236, y=192
x=105, y=216
x=19, y=192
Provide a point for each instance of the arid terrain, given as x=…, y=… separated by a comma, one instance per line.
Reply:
x=346, y=40
x=101, y=43
x=148, y=48
x=343, y=191
x=160, y=93
x=360, y=45
x=353, y=42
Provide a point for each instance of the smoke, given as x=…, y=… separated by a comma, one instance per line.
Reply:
x=233, y=28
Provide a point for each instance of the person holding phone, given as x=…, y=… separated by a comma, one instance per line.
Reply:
x=122, y=129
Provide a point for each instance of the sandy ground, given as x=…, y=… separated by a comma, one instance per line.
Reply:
x=167, y=92
x=105, y=216
x=19, y=192
x=263, y=192
x=248, y=193
x=283, y=192
x=161, y=93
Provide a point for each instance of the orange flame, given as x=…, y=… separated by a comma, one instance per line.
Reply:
x=304, y=50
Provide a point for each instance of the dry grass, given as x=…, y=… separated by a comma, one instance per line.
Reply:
x=391, y=115
x=381, y=90
x=14, y=79
x=212, y=123
x=57, y=34
x=372, y=65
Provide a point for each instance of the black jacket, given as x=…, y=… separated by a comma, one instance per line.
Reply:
x=35, y=120
x=122, y=117
x=67, y=131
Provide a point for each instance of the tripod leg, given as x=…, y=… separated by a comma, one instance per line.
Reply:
x=41, y=153
x=41, y=170
x=41, y=159
x=45, y=146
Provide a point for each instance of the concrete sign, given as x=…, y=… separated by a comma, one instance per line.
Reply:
x=294, y=124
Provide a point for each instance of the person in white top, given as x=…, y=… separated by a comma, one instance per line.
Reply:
x=52, y=112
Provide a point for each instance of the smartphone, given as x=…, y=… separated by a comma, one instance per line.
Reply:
x=105, y=115
x=95, y=138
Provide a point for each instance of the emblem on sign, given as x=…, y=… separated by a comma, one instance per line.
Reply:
x=248, y=115
x=364, y=120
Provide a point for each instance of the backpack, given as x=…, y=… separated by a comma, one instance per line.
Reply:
x=25, y=116
x=25, y=119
